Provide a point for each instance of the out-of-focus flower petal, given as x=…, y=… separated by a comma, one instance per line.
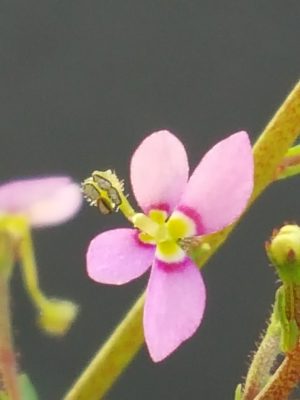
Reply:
x=44, y=201
x=117, y=256
x=159, y=171
x=175, y=302
x=220, y=187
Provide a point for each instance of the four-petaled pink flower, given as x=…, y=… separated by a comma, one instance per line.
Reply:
x=42, y=201
x=175, y=208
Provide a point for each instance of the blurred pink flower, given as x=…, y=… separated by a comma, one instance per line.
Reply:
x=43, y=201
x=175, y=208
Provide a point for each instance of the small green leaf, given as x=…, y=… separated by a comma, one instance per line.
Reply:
x=290, y=165
x=238, y=392
x=27, y=389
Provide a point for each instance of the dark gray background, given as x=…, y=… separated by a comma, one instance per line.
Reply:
x=81, y=83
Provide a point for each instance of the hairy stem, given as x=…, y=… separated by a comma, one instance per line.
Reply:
x=269, y=150
x=8, y=365
x=263, y=360
x=284, y=380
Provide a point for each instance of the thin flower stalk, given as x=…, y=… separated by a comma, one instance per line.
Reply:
x=271, y=147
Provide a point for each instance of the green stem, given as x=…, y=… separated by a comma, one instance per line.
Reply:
x=112, y=358
x=29, y=269
x=8, y=365
x=263, y=360
x=276, y=139
x=269, y=150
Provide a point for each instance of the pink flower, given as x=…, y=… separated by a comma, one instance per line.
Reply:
x=175, y=208
x=43, y=201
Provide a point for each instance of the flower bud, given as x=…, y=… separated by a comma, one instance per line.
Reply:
x=283, y=249
x=56, y=316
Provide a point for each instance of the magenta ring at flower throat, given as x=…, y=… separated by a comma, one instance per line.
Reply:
x=190, y=214
x=169, y=267
x=160, y=206
x=164, y=265
x=194, y=216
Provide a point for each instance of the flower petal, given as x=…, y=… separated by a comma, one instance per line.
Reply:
x=159, y=171
x=117, y=256
x=175, y=302
x=221, y=185
x=44, y=201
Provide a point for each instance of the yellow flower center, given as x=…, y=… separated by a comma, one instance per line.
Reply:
x=156, y=228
